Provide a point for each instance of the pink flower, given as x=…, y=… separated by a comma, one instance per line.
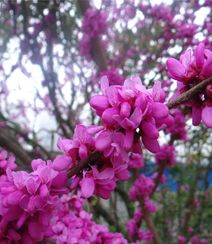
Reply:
x=137, y=216
x=149, y=205
x=178, y=127
x=113, y=76
x=189, y=71
x=194, y=240
x=94, y=23
x=166, y=155
x=196, y=203
x=101, y=183
x=85, y=47
x=190, y=229
x=132, y=228
x=143, y=186
x=136, y=161
x=29, y=201
x=6, y=163
x=131, y=108
x=77, y=149
x=181, y=239
x=204, y=241
x=73, y=225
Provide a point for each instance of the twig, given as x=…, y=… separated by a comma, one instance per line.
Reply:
x=161, y=170
x=47, y=240
x=74, y=170
x=149, y=222
x=186, y=96
x=12, y=145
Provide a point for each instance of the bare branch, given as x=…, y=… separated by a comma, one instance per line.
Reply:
x=9, y=143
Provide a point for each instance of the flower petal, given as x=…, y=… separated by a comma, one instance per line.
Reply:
x=62, y=163
x=87, y=186
x=207, y=116
x=151, y=144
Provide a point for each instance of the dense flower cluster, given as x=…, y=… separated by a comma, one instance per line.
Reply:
x=29, y=201
x=189, y=71
x=85, y=47
x=130, y=112
x=178, y=127
x=94, y=23
x=93, y=26
x=98, y=178
x=142, y=187
x=181, y=239
x=194, y=240
x=166, y=155
x=113, y=76
x=73, y=225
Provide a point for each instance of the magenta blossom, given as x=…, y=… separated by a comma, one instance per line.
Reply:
x=94, y=23
x=6, y=163
x=189, y=71
x=178, y=128
x=194, y=240
x=73, y=225
x=143, y=186
x=135, y=111
x=29, y=201
x=181, y=239
x=166, y=155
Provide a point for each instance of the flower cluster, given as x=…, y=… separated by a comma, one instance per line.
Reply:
x=194, y=240
x=29, y=201
x=178, y=127
x=181, y=239
x=93, y=26
x=130, y=112
x=98, y=177
x=94, y=23
x=6, y=163
x=142, y=187
x=189, y=71
x=85, y=47
x=73, y=225
x=166, y=155
x=113, y=76
x=133, y=230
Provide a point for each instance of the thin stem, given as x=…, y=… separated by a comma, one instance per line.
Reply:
x=150, y=224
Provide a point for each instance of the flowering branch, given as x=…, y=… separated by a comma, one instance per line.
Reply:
x=97, y=49
x=151, y=226
x=75, y=169
x=161, y=170
x=149, y=222
x=186, y=96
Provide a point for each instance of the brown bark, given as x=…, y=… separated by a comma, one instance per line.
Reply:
x=188, y=95
x=10, y=143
